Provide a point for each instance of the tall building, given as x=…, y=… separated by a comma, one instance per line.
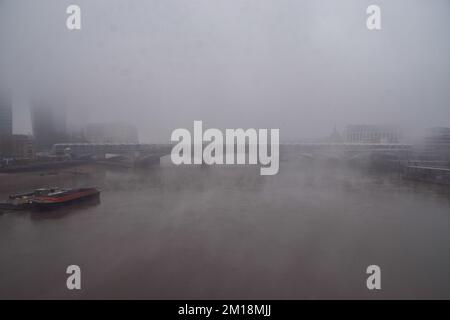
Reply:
x=372, y=134
x=5, y=115
x=49, y=124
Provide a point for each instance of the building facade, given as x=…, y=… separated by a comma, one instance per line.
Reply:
x=23, y=147
x=438, y=135
x=5, y=115
x=372, y=134
x=17, y=146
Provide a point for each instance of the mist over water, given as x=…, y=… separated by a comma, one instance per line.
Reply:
x=227, y=232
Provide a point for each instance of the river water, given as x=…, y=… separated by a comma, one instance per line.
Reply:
x=227, y=232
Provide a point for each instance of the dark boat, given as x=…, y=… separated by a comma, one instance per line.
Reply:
x=62, y=197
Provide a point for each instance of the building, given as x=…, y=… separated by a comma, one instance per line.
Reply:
x=111, y=133
x=23, y=146
x=5, y=146
x=438, y=135
x=372, y=134
x=49, y=125
x=17, y=146
x=335, y=137
x=5, y=115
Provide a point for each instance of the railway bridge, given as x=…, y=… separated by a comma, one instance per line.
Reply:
x=152, y=153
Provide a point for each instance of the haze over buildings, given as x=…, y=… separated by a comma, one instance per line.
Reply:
x=300, y=66
x=111, y=133
x=49, y=124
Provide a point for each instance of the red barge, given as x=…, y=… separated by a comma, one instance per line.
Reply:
x=61, y=197
x=49, y=198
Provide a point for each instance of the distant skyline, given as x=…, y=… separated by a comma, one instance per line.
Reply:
x=301, y=66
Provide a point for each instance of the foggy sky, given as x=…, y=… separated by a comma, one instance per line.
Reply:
x=301, y=66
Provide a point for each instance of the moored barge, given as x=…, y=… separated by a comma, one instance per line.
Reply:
x=48, y=198
x=63, y=197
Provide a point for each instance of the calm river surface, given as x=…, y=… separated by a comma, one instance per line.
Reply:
x=194, y=232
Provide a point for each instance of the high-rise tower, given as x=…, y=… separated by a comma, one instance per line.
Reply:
x=49, y=124
x=5, y=115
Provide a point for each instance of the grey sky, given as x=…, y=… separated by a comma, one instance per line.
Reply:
x=301, y=66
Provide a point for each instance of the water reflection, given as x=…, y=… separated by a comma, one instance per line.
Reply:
x=66, y=210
